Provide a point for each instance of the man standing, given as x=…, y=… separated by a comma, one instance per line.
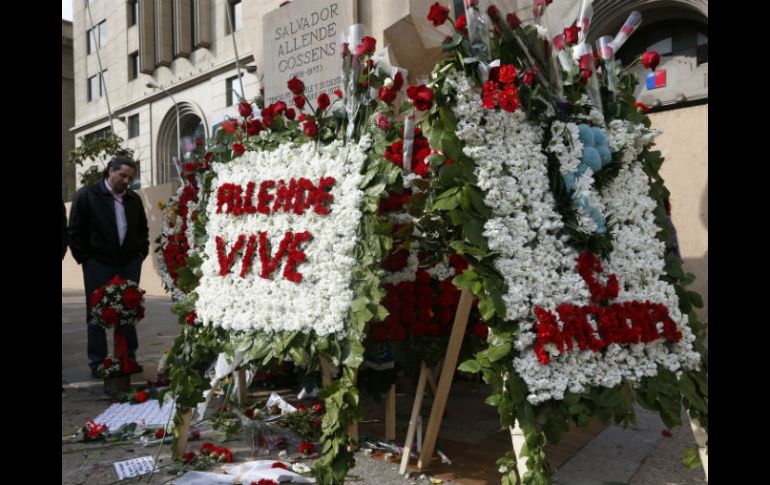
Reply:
x=108, y=236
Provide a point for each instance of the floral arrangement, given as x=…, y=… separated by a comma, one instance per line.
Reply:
x=118, y=303
x=208, y=454
x=110, y=367
x=91, y=431
x=545, y=181
x=289, y=242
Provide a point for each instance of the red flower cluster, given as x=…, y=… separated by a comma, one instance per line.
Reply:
x=388, y=94
x=117, y=303
x=587, y=265
x=217, y=453
x=420, y=150
x=298, y=195
x=95, y=431
x=501, y=89
x=265, y=481
x=421, y=96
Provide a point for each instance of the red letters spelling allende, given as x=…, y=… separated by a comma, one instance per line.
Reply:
x=298, y=196
x=612, y=319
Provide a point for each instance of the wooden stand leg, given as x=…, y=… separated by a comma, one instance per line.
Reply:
x=518, y=440
x=353, y=427
x=184, y=432
x=241, y=379
x=432, y=382
x=326, y=371
x=413, y=419
x=390, y=414
x=701, y=438
x=445, y=381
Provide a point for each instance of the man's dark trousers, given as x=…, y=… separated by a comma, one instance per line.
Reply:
x=95, y=275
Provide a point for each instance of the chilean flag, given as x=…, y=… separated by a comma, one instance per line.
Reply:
x=656, y=79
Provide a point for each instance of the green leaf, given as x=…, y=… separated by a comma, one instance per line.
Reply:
x=692, y=458
x=695, y=299
x=465, y=280
x=448, y=199
x=470, y=366
x=497, y=353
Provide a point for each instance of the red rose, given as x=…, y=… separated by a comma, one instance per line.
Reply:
x=265, y=481
x=299, y=101
x=397, y=333
x=435, y=330
x=306, y=448
x=323, y=101
x=141, y=396
x=387, y=95
x=132, y=298
x=367, y=46
x=418, y=329
x=277, y=108
x=338, y=93
x=244, y=109
x=229, y=126
x=190, y=318
x=116, y=280
x=207, y=448
x=238, y=148
x=493, y=12
x=461, y=23
x=110, y=316
x=96, y=296
x=345, y=49
x=290, y=113
x=317, y=408
x=296, y=86
x=421, y=95
x=188, y=457
x=224, y=455
x=253, y=127
x=529, y=76
x=584, y=76
x=379, y=333
x=310, y=128
x=666, y=433
x=160, y=433
x=383, y=122
x=302, y=117
x=558, y=41
x=643, y=107
x=438, y=14
x=586, y=62
x=513, y=20
x=650, y=59
x=481, y=331
x=571, y=34
x=107, y=363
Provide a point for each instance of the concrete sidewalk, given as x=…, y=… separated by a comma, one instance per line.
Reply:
x=470, y=432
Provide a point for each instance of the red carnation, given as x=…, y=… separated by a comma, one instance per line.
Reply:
x=110, y=316
x=338, y=93
x=190, y=318
x=238, y=148
x=188, y=457
x=96, y=296
x=421, y=95
x=529, y=76
x=296, y=86
x=224, y=455
x=132, y=298
x=438, y=14
x=323, y=101
x=507, y=73
x=244, y=109
x=650, y=59
x=643, y=107
x=302, y=117
x=310, y=128
x=513, y=20
x=141, y=396
x=571, y=34
x=367, y=46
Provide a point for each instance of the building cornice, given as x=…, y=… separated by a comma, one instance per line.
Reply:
x=172, y=88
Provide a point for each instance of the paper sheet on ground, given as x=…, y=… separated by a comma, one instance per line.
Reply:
x=135, y=467
x=146, y=415
x=252, y=471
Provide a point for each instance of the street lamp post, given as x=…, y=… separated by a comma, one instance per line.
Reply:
x=153, y=85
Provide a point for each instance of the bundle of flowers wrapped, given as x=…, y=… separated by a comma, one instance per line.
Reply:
x=118, y=303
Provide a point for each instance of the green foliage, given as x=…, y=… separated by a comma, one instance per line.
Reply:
x=97, y=150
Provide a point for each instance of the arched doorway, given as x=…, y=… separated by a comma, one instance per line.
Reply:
x=192, y=126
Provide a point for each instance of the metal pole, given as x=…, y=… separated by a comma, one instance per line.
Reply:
x=235, y=47
x=102, y=82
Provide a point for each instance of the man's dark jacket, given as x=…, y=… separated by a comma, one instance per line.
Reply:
x=93, y=228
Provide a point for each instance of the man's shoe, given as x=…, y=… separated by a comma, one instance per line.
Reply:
x=138, y=369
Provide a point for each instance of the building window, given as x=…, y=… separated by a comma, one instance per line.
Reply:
x=236, y=16
x=234, y=93
x=96, y=36
x=133, y=12
x=133, y=126
x=103, y=86
x=669, y=38
x=133, y=66
x=93, y=88
x=97, y=135
x=194, y=24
